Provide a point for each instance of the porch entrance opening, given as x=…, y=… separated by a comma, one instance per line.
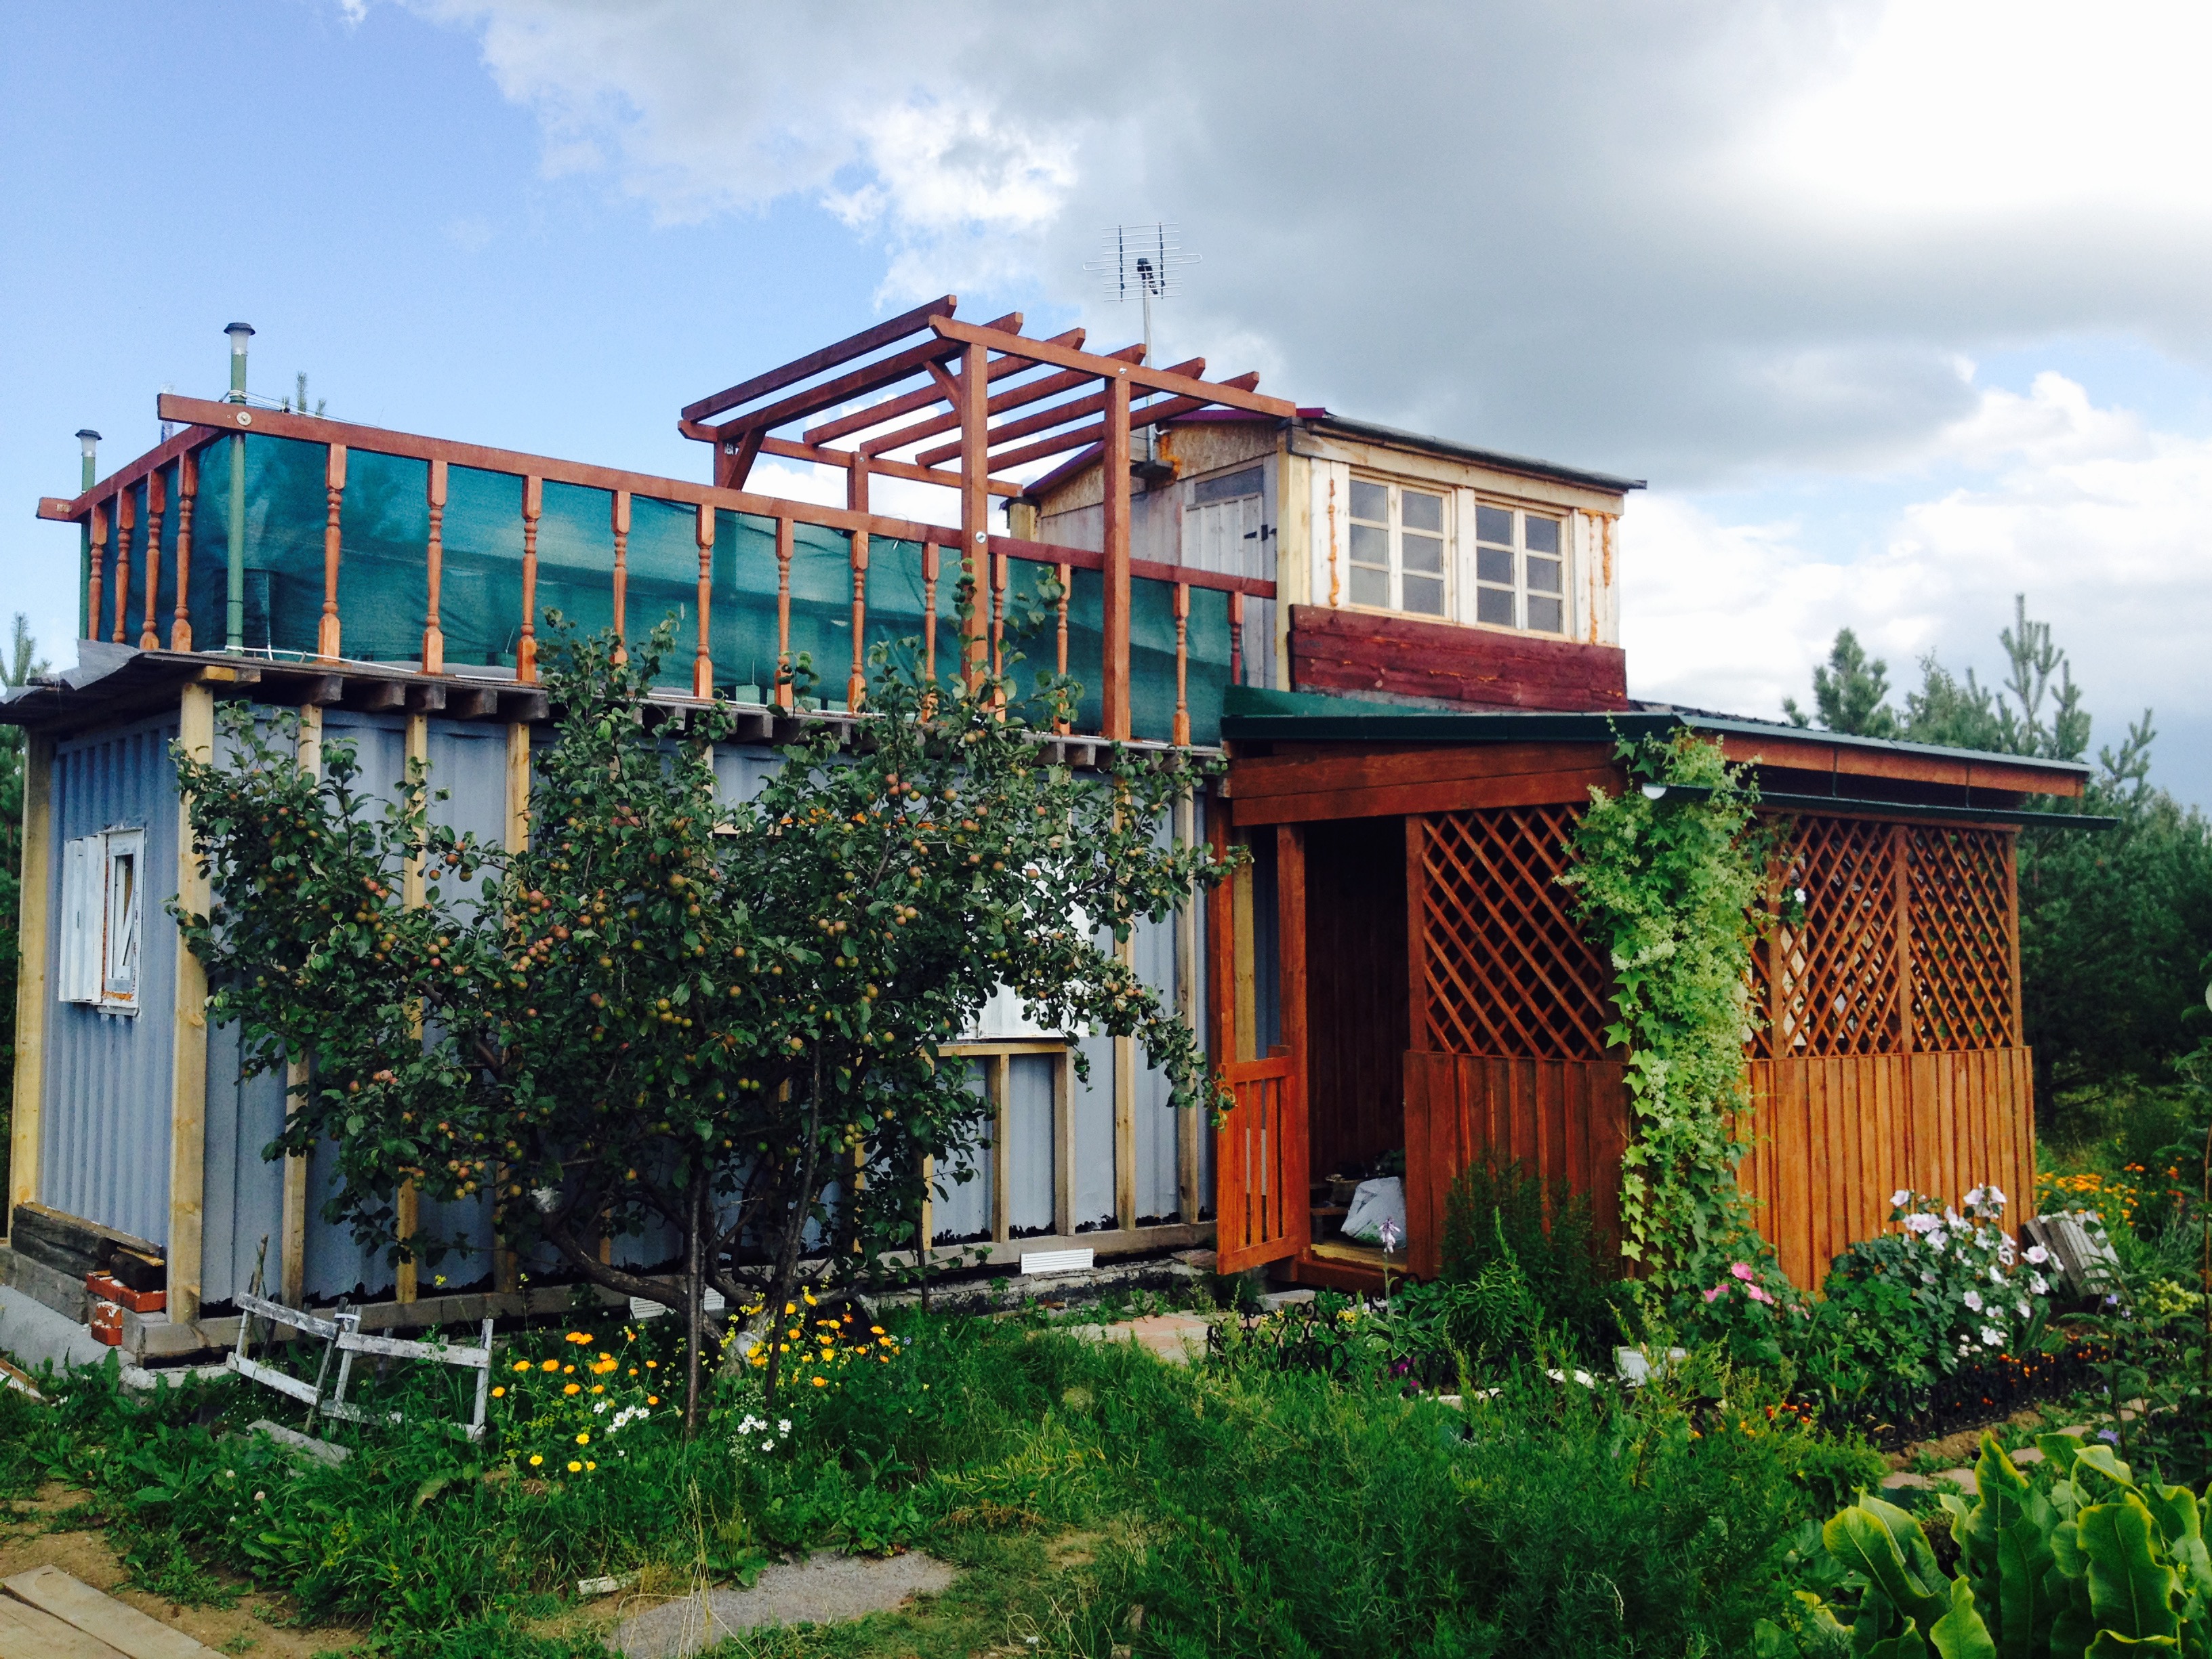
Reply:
x=1356, y=1022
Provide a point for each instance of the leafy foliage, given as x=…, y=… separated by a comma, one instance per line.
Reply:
x=1848, y=693
x=670, y=1014
x=1669, y=878
x=1548, y=1233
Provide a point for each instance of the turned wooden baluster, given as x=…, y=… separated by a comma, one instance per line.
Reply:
x=856, y=683
x=1183, y=662
x=188, y=487
x=703, y=665
x=433, y=568
x=929, y=556
x=327, y=640
x=93, y=593
x=784, y=694
x=126, y=516
x=998, y=611
x=147, y=639
x=622, y=571
x=1067, y=587
x=525, y=644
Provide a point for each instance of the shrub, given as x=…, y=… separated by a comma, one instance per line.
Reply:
x=1505, y=1213
x=1953, y=1286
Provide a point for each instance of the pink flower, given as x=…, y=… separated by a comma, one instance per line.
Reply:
x=1744, y=1270
x=1758, y=1295
x=1715, y=1291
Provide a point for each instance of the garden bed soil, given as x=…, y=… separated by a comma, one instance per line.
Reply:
x=253, y=1624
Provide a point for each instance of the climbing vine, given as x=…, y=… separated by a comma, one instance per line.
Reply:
x=1669, y=879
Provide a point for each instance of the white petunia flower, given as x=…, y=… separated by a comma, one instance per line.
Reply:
x=1972, y=1299
x=1897, y=1198
x=2037, y=1254
x=1992, y=1337
x=1936, y=1241
x=2039, y=1284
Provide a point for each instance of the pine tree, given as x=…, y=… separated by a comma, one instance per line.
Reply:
x=1849, y=694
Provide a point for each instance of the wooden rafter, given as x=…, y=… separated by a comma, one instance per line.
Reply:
x=862, y=420
x=1029, y=391
x=815, y=362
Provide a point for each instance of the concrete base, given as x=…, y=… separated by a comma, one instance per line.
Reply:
x=37, y=1336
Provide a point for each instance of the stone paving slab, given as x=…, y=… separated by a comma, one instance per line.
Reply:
x=822, y=1590
x=1178, y=1338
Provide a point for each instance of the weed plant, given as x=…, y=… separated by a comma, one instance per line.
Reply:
x=1235, y=1507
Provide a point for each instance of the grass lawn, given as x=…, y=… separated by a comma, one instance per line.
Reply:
x=1094, y=1498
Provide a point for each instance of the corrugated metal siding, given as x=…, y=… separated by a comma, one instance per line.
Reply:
x=104, y=1154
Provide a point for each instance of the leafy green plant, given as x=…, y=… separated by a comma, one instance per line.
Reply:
x=1670, y=878
x=2096, y=1563
x=1549, y=1232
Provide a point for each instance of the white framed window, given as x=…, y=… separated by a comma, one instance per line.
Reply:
x=1520, y=569
x=1398, y=534
x=102, y=918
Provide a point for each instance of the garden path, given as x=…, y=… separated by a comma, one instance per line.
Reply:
x=822, y=1590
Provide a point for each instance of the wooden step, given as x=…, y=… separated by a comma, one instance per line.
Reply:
x=27, y=1633
x=102, y=1625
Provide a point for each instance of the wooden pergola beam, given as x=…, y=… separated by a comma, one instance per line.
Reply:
x=1059, y=415
x=1029, y=391
x=1226, y=393
x=1151, y=415
x=869, y=377
x=891, y=408
x=856, y=345
x=791, y=450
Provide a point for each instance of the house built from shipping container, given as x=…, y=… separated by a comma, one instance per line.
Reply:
x=1407, y=649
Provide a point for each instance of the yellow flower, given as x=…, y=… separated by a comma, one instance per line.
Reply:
x=574, y=1467
x=588, y=1465
x=552, y=1365
x=565, y=1370
x=536, y=1459
x=875, y=1330
x=573, y=1388
x=598, y=1388
x=791, y=1306
x=809, y=1295
x=821, y=1381
x=583, y=1439
x=632, y=1370
x=522, y=1365
x=653, y=1400
x=498, y=1393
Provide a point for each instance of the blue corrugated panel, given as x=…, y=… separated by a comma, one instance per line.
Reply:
x=104, y=1154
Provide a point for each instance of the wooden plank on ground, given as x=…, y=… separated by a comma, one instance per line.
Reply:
x=27, y=1633
x=112, y=1625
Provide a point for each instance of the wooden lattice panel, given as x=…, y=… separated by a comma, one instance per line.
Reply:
x=1837, y=967
x=1958, y=885
x=1507, y=970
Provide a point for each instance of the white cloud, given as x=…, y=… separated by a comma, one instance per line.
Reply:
x=2105, y=526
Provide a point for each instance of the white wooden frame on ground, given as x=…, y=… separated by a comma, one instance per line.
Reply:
x=340, y=1333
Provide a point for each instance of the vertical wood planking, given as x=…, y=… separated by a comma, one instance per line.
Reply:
x=1063, y=1143
x=188, y=1081
x=1188, y=1200
x=433, y=571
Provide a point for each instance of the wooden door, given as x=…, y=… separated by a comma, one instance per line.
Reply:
x=1263, y=1204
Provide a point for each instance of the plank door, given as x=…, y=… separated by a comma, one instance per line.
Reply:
x=1263, y=1203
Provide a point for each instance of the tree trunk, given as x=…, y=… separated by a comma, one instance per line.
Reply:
x=799, y=1205
x=694, y=1297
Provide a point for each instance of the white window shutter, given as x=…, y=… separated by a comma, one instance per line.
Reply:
x=78, y=969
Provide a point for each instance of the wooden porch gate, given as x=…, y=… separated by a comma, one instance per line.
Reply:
x=1264, y=1210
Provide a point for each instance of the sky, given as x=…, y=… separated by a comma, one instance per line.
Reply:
x=1901, y=309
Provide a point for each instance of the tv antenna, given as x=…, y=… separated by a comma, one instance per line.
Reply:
x=1143, y=263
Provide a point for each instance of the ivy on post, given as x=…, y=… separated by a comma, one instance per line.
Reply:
x=673, y=1013
x=1670, y=877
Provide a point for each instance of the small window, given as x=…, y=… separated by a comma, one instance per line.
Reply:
x=1520, y=571
x=1396, y=543
x=102, y=915
x=1230, y=487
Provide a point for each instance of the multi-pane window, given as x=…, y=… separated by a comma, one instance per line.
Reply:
x=103, y=898
x=1519, y=573
x=1397, y=548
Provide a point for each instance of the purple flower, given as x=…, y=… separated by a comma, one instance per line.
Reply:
x=1388, y=1233
x=2109, y=1437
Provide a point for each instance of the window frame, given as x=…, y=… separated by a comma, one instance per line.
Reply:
x=1521, y=512
x=103, y=922
x=1395, y=544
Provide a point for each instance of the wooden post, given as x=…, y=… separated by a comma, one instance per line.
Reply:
x=784, y=694
x=506, y=1264
x=1221, y=944
x=1115, y=480
x=1125, y=1107
x=1417, y=934
x=1183, y=663
x=622, y=571
x=147, y=639
x=34, y=934
x=929, y=558
x=1188, y=1197
x=188, y=1074
x=1063, y=1143
x=1290, y=937
x=126, y=516
x=334, y=476
x=975, y=501
x=92, y=594
x=1060, y=654
x=525, y=643
x=856, y=497
x=292, y=1248
x=188, y=485
x=1900, y=850
x=1244, y=972
x=2012, y=926
x=703, y=664
x=1000, y=1085
x=433, y=633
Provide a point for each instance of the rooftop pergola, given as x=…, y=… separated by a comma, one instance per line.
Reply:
x=968, y=406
